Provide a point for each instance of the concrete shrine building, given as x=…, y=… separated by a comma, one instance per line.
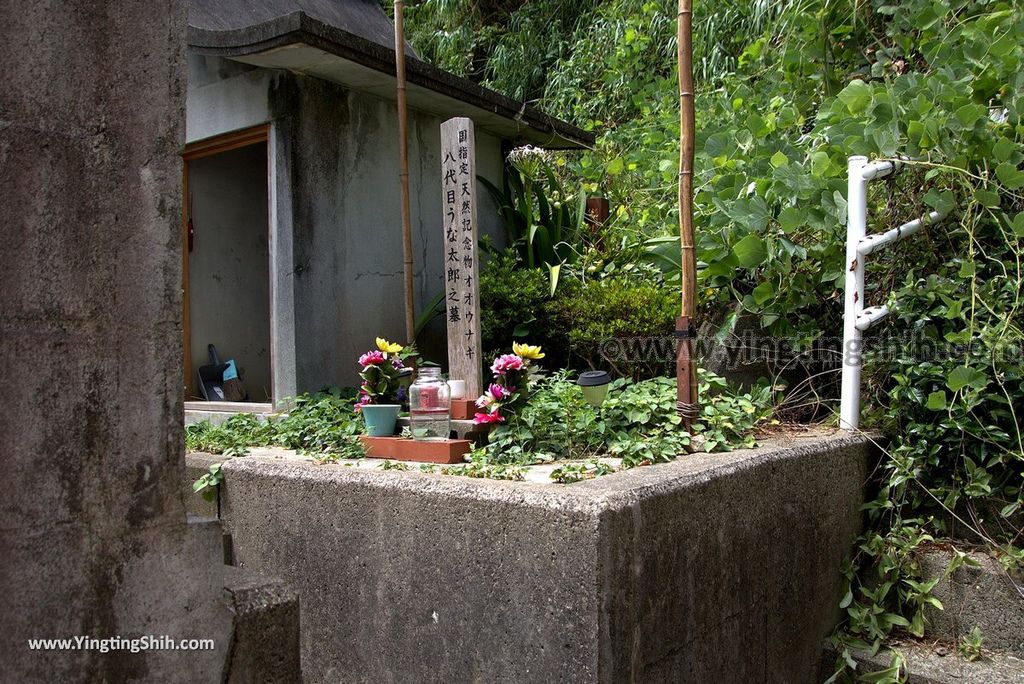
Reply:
x=293, y=258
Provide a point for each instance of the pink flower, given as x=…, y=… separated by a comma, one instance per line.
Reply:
x=500, y=392
x=371, y=358
x=488, y=418
x=494, y=394
x=507, y=362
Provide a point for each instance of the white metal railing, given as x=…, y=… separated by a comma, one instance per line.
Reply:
x=857, y=318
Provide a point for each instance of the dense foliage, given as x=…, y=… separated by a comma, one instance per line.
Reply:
x=323, y=424
x=575, y=323
x=787, y=91
x=637, y=423
x=517, y=307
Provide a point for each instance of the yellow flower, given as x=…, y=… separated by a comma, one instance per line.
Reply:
x=526, y=351
x=388, y=347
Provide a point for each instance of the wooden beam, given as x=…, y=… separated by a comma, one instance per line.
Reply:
x=227, y=142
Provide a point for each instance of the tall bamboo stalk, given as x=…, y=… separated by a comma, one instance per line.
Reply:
x=686, y=370
x=403, y=171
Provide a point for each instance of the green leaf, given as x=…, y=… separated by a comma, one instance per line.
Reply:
x=820, y=163
x=937, y=401
x=553, y=272
x=940, y=201
x=757, y=126
x=889, y=674
x=664, y=252
x=987, y=198
x=1010, y=176
x=763, y=292
x=970, y=114
x=792, y=249
x=615, y=166
x=917, y=624
x=790, y=218
x=750, y=251
x=1018, y=224
x=1003, y=149
x=894, y=619
x=720, y=267
x=963, y=376
x=840, y=201
x=779, y=159
x=856, y=96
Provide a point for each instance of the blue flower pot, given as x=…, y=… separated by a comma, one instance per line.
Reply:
x=380, y=419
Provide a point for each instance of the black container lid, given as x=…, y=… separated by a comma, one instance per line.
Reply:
x=593, y=378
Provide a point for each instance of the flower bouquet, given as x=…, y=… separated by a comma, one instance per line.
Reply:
x=509, y=388
x=382, y=370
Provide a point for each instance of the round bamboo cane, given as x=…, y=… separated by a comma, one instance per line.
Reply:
x=686, y=371
x=403, y=172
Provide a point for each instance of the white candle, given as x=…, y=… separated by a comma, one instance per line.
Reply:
x=458, y=388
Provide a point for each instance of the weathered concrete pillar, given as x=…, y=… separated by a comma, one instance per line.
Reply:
x=93, y=534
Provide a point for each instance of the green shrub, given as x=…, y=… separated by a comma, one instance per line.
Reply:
x=589, y=314
x=574, y=325
x=514, y=306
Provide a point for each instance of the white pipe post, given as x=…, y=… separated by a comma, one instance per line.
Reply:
x=871, y=315
x=873, y=243
x=856, y=230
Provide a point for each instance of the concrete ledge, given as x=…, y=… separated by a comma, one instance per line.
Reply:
x=925, y=663
x=215, y=417
x=713, y=568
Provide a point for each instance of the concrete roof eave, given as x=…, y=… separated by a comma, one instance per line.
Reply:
x=305, y=45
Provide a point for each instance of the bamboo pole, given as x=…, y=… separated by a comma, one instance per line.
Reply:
x=403, y=172
x=686, y=371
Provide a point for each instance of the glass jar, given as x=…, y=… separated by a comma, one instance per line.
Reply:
x=430, y=406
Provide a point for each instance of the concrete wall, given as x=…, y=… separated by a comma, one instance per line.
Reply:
x=717, y=567
x=229, y=267
x=225, y=96
x=94, y=539
x=348, y=246
x=340, y=174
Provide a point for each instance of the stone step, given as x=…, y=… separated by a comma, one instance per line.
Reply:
x=265, y=641
x=263, y=645
x=983, y=596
